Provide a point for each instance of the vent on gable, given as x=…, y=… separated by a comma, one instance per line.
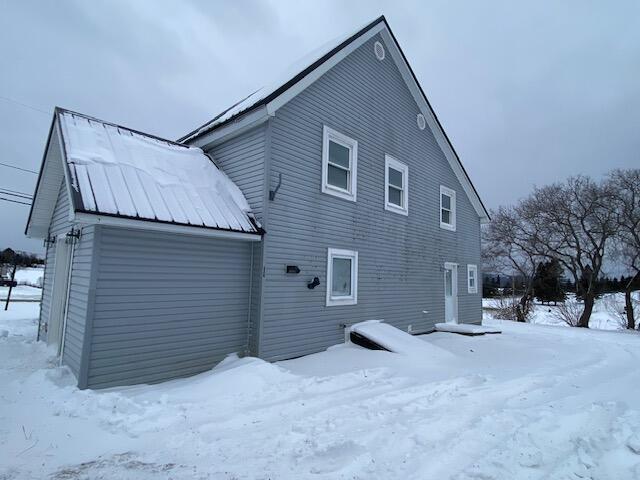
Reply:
x=422, y=123
x=379, y=50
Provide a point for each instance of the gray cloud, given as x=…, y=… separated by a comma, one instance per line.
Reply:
x=528, y=93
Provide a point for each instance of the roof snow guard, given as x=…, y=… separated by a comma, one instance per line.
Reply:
x=121, y=177
x=265, y=101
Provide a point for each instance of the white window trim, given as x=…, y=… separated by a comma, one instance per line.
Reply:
x=474, y=269
x=389, y=161
x=452, y=194
x=353, y=256
x=352, y=145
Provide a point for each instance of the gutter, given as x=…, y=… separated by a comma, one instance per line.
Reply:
x=92, y=218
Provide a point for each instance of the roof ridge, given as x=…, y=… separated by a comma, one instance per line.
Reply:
x=61, y=110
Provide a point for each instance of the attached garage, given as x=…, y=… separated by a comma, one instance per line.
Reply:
x=149, y=255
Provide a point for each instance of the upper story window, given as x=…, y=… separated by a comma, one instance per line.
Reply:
x=396, y=195
x=472, y=278
x=339, y=164
x=447, y=208
x=342, y=277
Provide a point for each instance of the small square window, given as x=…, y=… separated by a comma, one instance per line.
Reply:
x=472, y=278
x=396, y=186
x=447, y=208
x=339, y=164
x=342, y=277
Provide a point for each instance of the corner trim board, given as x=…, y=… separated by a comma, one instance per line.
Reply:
x=85, y=358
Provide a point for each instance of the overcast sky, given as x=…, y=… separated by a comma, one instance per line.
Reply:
x=528, y=94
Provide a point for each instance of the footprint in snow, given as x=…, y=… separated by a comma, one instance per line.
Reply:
x=633, y=442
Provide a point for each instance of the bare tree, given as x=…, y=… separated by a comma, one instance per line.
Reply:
x=625, y=188
x=572, y=222
x=508, y=249
x=618, y=309
x=569, y=312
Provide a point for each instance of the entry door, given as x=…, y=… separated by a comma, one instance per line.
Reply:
x=60, y=288
x=451, y=293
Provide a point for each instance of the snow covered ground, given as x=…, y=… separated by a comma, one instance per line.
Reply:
x=21, y=292
x=602, y=317
x=30, y=276
x=29, y=285
x=535, y=402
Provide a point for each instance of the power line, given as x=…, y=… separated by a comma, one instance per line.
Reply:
x=14, y=201
x=19, y=195
x=18, y=168
x=25, y=105
x=15, y=191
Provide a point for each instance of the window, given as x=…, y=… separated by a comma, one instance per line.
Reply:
x=339, y=162
x=472, y=278
x=396, y=195
x=342, y=277
x=447, y=208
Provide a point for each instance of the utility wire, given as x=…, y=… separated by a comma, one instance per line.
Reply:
x=14, y=201
x=16, y=191
x=18, y=168
x=19, y=195
x=7, y=99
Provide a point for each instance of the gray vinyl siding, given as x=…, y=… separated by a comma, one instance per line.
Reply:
x=242, y=158
x=166, y=305
x=256, y=299
x=78, y=287
x=401, y=257
x=79, y=295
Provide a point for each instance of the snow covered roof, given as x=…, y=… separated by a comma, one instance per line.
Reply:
x=114, y=171
x=308, y=69
x=285, y=80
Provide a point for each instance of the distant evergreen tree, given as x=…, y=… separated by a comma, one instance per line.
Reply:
x=547, y=284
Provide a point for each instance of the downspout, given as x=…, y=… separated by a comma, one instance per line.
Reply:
x=265, y=222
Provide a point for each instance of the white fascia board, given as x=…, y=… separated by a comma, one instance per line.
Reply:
x=97, y=219
x=37, y=232
x=292, y=92
x=438, y=133
x=233, y=129
x=69, y=182
x=53, y=175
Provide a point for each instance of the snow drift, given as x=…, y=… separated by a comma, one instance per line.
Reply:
x=395, y=340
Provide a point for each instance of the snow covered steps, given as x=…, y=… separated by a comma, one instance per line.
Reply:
x=465, y=329
x=377, y=335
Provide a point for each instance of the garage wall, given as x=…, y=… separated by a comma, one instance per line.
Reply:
x=166, y=305
x=79, y=294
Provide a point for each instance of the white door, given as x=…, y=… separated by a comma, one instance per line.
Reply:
x=451, y=293
x=60, y=287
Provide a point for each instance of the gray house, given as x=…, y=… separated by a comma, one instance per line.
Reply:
x=331, y=197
